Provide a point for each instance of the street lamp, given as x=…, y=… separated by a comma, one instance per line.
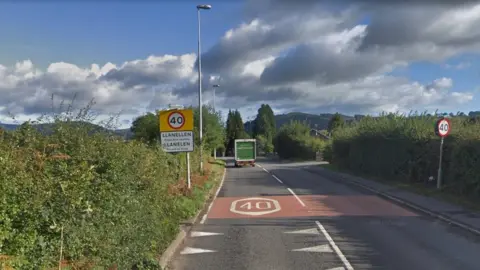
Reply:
x=200, y=105
x=214, y=87
x=215, y=111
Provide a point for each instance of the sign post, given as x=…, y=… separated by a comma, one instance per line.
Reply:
x=176, y=133
x=442, y=129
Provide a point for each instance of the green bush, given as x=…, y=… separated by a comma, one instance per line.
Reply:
x=405, y=148
x=109, y=197
x=327, y=152
x=293, y=141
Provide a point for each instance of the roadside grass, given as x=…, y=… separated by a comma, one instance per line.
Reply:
x=202, y=186
x=418, y=188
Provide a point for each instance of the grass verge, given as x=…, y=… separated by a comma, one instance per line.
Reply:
x=421, y=189
x=201, y=188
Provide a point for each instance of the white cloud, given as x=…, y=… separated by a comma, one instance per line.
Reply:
x=308, y=59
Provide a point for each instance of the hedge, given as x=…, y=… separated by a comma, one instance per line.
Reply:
x=293, y=141
x=111, y=200
x=405, y=148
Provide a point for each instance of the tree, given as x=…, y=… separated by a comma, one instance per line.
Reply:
x=264, y=125
x=234, y=129
x=264, y=145
x=335, y=122
x=212, y=128
x=146, y=128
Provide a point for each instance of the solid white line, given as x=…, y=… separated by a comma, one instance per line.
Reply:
x=204, y=218
x=276, y=178
x=335, y=247
x=298, y=199
x=266, y=170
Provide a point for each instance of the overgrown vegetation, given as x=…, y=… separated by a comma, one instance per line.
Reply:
x=293, y=141
x=405, y=149
x=90, y=197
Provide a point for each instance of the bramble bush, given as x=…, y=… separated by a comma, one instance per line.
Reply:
x=109, y=199
x=405, y=148
x=293, y=141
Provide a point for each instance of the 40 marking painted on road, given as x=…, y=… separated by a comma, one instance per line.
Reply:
x=255, y=206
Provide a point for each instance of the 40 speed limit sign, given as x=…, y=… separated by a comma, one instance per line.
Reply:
x=176, y=120
x=176, y=130
x=443, y=127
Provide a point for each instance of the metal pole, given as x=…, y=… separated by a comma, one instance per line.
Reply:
x=214, y=111
x=200, y=92
x=439, y=175
x=188, y=171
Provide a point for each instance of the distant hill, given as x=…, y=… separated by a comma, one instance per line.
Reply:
x=8, y=126
x=125, y=133
x=316, y=121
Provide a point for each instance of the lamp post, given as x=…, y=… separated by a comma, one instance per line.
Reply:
x=215, y=86
x=200, y=105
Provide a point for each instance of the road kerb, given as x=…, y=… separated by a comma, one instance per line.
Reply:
x=172, y=248
x=185, y=228
x=404, y=203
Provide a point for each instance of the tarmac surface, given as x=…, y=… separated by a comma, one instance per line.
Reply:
x=282, y=216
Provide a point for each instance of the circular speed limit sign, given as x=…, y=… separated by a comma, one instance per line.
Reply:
x=176, y=120
x=443, y=127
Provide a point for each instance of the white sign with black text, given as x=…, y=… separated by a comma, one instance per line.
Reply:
x=177, y=141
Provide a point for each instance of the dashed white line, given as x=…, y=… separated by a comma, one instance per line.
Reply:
x=276, y=178
x=298, y=199
x=342, y=257
x=204, y=218
x=281, y=182
x=260, y=166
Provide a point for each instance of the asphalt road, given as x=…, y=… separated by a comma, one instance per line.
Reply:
x=281, y=216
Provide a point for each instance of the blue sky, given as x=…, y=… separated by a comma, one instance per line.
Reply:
x=85, y=32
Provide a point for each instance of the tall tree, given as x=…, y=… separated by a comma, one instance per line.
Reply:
x=234, y=129
x=264, y=125
x=335, y=122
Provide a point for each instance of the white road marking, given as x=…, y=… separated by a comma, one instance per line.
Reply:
x=276, y=178
x=298, y=199
x=306, y=231
x=245, y=206
x=204, y=218
x=200, y=234
x=321, y=248
x=260, y=166
x=337, y=268
x=189, y=250
x=334, y=246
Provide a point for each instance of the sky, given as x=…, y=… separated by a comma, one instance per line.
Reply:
x=314, y=56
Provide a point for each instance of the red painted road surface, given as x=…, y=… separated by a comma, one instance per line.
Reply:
x=315, y=206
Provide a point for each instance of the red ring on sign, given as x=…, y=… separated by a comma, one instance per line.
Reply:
x=168, y=120
x=449, y=127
